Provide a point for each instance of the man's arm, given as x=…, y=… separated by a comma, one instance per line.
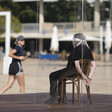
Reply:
x=78, y=68
x=92, y=69
x=87, y=81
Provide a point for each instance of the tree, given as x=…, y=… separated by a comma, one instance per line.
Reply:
x=14, y=21
x=25, y=11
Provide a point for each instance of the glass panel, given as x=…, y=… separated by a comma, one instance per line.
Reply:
x=43, y=60
x=46, y=64
x=97, y=25
x=12, y=95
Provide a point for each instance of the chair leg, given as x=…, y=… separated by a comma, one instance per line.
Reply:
x=73, y=92
x=78, y=91
x=88, y=94
x=61, y=92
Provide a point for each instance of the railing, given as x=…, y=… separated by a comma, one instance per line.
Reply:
x=30, y=27
x=64, y=27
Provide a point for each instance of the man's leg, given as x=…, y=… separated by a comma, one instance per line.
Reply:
x=64, y=91
x=56, y=76
x=53, y=84
x=53, y=77
x=59, y=87
x=67, y=72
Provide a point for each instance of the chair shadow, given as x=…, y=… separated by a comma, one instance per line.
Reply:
x=35, y=102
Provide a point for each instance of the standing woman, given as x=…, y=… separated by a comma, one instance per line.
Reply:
x=15, y=69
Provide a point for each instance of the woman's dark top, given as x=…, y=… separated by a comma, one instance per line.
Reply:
x=20, y=52
x=79, y=52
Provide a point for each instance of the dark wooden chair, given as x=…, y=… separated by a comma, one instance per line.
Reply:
x=75, y=81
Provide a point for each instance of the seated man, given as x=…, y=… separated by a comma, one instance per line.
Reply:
x=80, y=51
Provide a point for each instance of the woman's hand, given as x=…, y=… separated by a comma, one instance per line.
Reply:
x=21, y=58
x=27, y=53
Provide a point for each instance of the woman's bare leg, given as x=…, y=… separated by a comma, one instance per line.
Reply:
x=9, y=84
x=20, y=79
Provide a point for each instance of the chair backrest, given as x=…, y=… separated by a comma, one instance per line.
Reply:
x=85, y=66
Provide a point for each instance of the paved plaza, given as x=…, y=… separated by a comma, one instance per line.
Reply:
x=37, y=72
x=37, y=84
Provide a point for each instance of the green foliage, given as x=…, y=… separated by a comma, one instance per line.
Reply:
x=105, y=14
x=28, y=14
x=15, y=23
x=2, y=40
x=61, y=11
x=88, y=12
x=2, y=22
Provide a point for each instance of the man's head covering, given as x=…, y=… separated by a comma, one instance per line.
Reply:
x=80, y=37
x=20, y=37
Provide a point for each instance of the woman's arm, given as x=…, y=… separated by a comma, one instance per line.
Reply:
x=27, y=55
x=11, y=54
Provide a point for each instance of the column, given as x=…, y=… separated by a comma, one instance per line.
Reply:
x=40, y=45
x=41, y=16
x=97, y=14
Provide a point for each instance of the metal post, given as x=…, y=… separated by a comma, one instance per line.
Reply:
x=101, y=43
x=6, y=59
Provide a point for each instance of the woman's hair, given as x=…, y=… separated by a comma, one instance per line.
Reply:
x=16, y=42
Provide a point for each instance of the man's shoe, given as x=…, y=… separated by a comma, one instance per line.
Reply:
x=64, y=100
x=52, y=101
